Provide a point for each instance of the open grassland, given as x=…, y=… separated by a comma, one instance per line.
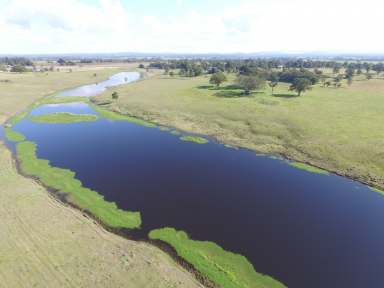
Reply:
x=63, y=117
x=227, y=269
x=46, y=244
x=335, y=129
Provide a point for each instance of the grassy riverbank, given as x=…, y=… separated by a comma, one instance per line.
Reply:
x=227, y=269
x=42, y=241
x=13, y=135
x=64, y=181
x=111, y=115
x=63, y=118
x=335, y=129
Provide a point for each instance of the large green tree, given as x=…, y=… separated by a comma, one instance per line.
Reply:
x=249, y=83
x=19, y=68
x=273, y=81
x=218, y=78
x=301, y=85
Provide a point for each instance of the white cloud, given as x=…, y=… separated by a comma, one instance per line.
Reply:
x=45, y=26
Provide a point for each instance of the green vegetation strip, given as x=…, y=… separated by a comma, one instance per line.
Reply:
x=63, y=117
x=13, y=135
x=224, y=268
x=308, y=168
x=120, y=117
x=195, y=139
x=175, y=132
x=64, y=181
x=63, y=100
x=377, y=190
x=14, y=120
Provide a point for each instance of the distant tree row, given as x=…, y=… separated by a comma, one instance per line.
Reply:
x=15, y=61
x=252, y=66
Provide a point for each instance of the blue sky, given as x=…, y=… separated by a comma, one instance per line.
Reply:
x=194, y=26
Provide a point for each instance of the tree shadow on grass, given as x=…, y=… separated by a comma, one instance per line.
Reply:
x=285, y=95
x=213, y=87
x=231, y=94
x=205, y=87
x=236, y=94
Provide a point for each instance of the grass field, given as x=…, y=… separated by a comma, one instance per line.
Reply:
x=46, y=244
x=225, y=268
x=334, y=129
x=63, y=118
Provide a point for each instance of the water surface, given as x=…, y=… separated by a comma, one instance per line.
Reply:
x=95, y=89
x=303, y=229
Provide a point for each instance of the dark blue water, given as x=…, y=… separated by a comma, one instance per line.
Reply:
x=94, y=89
x=303, y=229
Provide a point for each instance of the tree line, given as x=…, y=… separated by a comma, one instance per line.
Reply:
x=255, y=74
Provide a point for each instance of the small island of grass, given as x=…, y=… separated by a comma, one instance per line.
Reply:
x=63, y=118
x=227, y=269
x=195, y=139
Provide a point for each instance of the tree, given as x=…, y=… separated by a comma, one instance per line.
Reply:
x=301, y=85
x=61, y=61
x=349, y=80
x=18, y=68
x=323, y=80
x=273, y=81
x=337, y=81
x=218, y=78
x=367, y=67
x=249, y=83
x=115, y=95
x=349, y=75
x=336, y=69
x=318, y=72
